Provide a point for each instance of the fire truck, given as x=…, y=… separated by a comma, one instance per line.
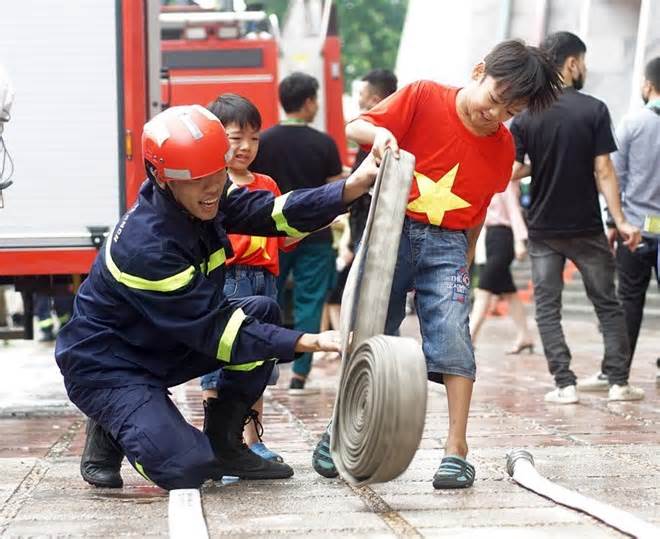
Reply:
x=208, y=52
x=87, y=75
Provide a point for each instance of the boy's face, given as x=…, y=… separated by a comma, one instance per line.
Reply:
x=486, y=108
x=244, y=143
x=201, y=198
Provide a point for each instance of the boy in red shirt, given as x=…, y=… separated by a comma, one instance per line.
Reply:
x=254, y=267
x=464, y=155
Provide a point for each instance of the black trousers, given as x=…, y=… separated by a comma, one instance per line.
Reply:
x=634, y=270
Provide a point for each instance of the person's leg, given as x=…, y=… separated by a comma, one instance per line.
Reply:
x=479, y=311
x=593, y=258
x=164, y=448
x=402, y=283
x=634, y=273
x=442, y=286
x=547, y=278
x=519, y=317
x=239, y=388
x=312, y=273
x=45, y=322
x=147, y=427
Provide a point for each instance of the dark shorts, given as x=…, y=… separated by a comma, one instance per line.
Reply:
x=495, y=276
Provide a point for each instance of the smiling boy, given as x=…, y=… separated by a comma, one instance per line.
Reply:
x=464, y=155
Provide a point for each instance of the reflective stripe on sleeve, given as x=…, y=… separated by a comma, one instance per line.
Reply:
x=229, y=335
x=280, y=220
x=168, y=284
x=216, y=260
x=244, y=366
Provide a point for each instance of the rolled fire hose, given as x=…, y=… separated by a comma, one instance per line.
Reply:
x=520, y=465
x=380, y=407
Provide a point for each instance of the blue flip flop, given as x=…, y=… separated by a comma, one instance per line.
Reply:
x=454, y=472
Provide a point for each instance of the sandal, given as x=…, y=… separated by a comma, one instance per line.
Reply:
x=454, y=472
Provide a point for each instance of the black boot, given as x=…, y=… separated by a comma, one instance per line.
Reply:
x=101, y=460
x=223, y=424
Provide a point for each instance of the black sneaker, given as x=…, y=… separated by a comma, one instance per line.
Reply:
x=297, y=388
x=322, y=459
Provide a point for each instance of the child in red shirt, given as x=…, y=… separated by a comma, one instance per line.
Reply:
x=254, y=266
x=464, y=155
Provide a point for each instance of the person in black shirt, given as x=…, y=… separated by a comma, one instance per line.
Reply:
x=297, y=156
x=568, y=146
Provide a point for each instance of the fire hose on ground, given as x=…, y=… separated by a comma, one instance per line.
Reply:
x=520, y=466
x=380, y=408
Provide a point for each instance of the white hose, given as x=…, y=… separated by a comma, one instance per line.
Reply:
x=520, y=465
x=380, y=408
x=185, y=516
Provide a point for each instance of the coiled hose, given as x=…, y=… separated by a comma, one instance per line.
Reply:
x=380, y=408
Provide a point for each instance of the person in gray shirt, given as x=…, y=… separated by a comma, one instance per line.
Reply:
x=637, y=164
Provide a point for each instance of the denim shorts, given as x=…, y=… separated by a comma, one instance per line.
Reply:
x=432, y=261
x=241, y=282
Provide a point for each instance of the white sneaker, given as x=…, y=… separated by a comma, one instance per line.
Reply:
x=597, y=382
x=562, y=395
x=625, y=393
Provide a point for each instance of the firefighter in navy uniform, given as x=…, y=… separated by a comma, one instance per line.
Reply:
x=152, y=313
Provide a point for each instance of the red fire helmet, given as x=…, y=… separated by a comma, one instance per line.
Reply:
x=185, y=143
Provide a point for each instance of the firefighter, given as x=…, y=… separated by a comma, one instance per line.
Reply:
x=152, y=313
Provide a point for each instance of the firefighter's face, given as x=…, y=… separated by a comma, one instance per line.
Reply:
x=201, y=198
x=244, y=142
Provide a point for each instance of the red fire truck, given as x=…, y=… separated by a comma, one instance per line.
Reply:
x=207, y=53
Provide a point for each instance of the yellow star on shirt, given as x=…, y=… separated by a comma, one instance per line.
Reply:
x=436, y=198
x=257, y=243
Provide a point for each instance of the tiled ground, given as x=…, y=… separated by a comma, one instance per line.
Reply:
x=607, y=451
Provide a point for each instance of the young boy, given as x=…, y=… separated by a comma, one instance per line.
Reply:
x=464, y=155
x=254, y=268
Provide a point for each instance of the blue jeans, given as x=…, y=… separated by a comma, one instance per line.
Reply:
x=241, y=282
x=433, y=262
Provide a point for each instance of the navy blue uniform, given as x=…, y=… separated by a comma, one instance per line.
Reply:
x=152, y=314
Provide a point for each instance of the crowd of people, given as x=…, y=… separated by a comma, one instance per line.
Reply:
x=188, y=283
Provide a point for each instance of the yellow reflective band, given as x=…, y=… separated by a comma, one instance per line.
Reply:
x=244, y=366
x=216, y=260
x=169, y=284
x=229, y=335
x=280, y=221
x=141, y=471
x=46, y=323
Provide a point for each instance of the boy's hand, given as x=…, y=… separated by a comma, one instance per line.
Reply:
x=327, y=341
x=384, y=139
x=361, y=180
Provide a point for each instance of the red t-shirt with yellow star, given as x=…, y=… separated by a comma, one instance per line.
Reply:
x=258, y=251
x=456, y=171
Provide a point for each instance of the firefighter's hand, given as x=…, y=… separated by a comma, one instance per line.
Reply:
x=327, y=341
x=361, y=180
x=384, y=139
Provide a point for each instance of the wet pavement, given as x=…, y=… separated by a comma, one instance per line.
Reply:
x=609, y=451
